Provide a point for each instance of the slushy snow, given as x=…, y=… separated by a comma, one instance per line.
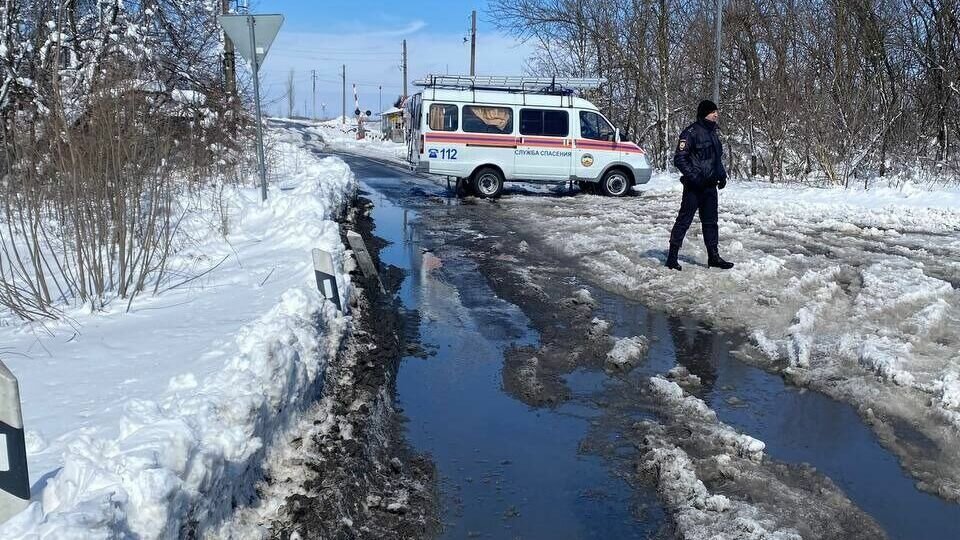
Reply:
x=851, y=292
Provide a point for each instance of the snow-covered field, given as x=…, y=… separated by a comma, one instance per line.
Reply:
x=156, y=421
x=853, y=293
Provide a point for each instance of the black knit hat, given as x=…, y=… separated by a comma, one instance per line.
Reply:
x=706, y=107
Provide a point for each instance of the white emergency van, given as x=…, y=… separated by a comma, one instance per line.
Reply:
x=488, y=130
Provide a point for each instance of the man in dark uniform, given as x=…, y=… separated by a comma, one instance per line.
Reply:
x=699, y=157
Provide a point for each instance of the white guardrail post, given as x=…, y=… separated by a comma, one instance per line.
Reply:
x=326, y=280
x=14, y=480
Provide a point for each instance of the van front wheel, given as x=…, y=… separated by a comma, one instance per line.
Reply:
x=615, y=183
x=488, y=183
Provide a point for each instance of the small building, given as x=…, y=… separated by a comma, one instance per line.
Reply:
x=392, y=125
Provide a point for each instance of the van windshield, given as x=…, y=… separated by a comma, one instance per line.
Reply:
x=593, y=126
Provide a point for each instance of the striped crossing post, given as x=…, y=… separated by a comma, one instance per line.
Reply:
x=14, y=480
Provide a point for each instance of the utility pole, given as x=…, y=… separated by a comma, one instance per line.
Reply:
x=473, y=43
x=380, y=88
x=343, y=94
x=716, y=72
x=229, y=62
x=313, y=111
x=403, y=66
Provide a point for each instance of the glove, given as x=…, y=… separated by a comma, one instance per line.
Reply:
x=722, y=183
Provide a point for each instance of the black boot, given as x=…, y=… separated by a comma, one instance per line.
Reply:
x=714, y=260
x=672, y=258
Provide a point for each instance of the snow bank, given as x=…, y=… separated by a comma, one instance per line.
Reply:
x=154, y=423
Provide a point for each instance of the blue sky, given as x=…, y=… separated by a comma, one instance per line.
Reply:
x=366, y=36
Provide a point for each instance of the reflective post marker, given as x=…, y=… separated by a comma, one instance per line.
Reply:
x=326, y=279
x=14, y=480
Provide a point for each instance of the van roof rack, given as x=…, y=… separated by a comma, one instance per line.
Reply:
x=538, y=85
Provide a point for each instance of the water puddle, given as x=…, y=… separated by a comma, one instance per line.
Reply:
x=506, y=470
x=797, y=426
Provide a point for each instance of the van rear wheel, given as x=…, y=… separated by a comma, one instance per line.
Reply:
x=615, y=183
x=488, y=183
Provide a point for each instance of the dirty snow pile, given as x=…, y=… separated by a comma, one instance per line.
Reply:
x=696, y=512
x=626, y=352
x=154, y=423
x=723, y=435
x=852, y=292
x=694, y=455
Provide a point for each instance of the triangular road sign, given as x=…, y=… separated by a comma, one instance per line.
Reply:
x=265, y=27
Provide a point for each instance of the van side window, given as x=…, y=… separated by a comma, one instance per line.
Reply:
x=546, y=122
x=443, y=117
x=593, y=126
x=478, y=119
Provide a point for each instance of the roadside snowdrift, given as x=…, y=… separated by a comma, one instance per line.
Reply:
x=154, y=423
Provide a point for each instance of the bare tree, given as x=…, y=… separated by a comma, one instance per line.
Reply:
x=823, y=91
x=111, y=111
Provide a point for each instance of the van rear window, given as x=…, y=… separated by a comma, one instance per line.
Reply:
x=544, y=122
x=443, y=117
x=478, y=119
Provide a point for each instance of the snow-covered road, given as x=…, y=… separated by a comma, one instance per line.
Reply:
x=851, y=293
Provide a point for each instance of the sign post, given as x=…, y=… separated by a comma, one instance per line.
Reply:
x=253, y=45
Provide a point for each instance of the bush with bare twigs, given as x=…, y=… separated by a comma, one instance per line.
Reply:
x=113, y=115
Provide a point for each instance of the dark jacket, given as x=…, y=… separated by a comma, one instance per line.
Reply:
x=699, y=156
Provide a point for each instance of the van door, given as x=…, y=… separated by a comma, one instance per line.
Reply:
x=443, y=145
x=545, y=148
x=596, y=146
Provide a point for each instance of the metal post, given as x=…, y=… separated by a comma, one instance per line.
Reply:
x=473, y=43
x=314, y=74
x=343, y=94
x=404, y=67
x=380, y=103
x=716, y=74
x=251, y=22
x=229, y=62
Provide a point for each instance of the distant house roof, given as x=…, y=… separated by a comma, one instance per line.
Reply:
x=391, y=111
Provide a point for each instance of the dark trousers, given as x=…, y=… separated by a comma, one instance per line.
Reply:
x=705, y=202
